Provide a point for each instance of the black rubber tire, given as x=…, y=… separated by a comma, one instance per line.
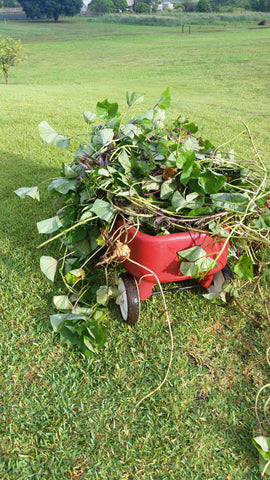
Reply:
x=129, y=299
x=227, y=273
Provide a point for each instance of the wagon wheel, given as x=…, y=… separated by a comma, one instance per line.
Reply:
x=129, y=299
x=224, y=275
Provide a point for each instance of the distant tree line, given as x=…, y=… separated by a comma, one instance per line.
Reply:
x=101, y=7
x=36, y=9
x=219, y=5
x=222, y=5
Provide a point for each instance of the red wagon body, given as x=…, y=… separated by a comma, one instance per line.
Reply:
x=159, y=254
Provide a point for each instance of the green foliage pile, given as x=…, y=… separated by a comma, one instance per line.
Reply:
x=160, y=178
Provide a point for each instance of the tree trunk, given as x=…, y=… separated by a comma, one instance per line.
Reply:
x=6, y=77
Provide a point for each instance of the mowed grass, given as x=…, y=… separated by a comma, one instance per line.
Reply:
x=65, y=417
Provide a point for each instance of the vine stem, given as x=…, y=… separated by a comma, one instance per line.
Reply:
x=264, y=302
x=81, y=222
x=230, y=141
x=265, y=469
x=256, y=407
x=150, y=394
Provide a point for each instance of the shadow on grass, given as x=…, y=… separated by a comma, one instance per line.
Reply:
x=24, y=288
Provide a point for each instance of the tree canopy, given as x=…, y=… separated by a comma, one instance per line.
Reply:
x=142, y=7
x=50, y=8
x=100, y=7
x=8, y=3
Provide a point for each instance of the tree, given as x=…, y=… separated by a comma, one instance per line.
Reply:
x=142, y=7
x=120, y=5
x=189, y=6
x=99, y=7
x=50, y=8
x=9, y=3
x=11, y=53
x=203, y=6
x=260, y=5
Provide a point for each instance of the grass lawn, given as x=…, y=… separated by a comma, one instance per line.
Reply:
x=66, y=417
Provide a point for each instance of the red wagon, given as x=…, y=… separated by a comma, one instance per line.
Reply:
x=158, y=254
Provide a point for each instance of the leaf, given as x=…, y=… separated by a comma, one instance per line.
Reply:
x=130, y=130
x=189, y=269
x=32, y=192
x=202, y=211
x=103, y=210
x=93, y=235
x=261, y=200
x=75, y=275
x=57, y=320
x=69, y=172
x=134, y=98
x=168, y=188
x=106, y=109
x=244, y=268
x=235, y=202
x=98, y=331
x=190, y=127
x=89, y=117
x=48, y=266
x=62, y=142
x=70, y=336
x=262, y=444
x=88, y=344
x=211, y=182
x=149, y=185
x=62, y=185
x=178, y=201
x=79, y=233
x=217, y=229
x=262, y=465
x=215, y=297
x=124, y=161
x=198, y=261
x=194, y=200
x=165, y=99
x=47, y=133
x=49, y=225
x=83, y=247
x=106, y=135
x=190, y=167
x=159, y=117
x=114, y=122
x=149, y=115
x=263, y=221
x=62, y=302
x=104, y=294
x=192, y=254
